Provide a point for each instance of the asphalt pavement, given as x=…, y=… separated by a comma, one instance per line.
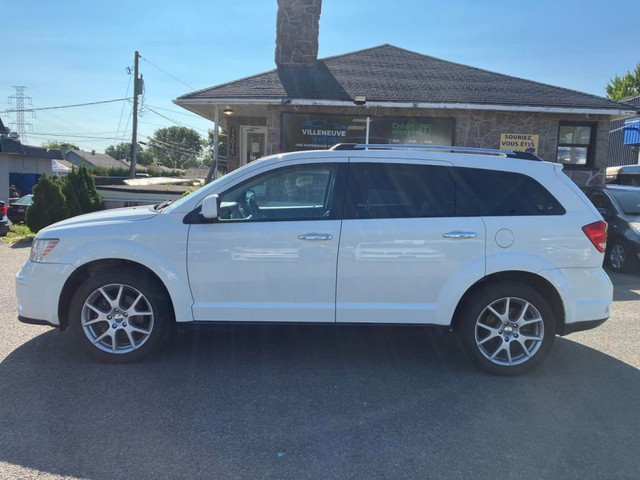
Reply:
x=298, y=402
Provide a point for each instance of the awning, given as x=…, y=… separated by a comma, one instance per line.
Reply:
x=58, y=168
x=631, y=131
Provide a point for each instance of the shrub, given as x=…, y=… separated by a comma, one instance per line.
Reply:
x=49, y=205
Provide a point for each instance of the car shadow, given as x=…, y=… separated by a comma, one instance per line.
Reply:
x=316, y=402
x=626, y=286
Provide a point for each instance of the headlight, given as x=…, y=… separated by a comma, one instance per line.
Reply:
x=636, y=227
x=41, y=248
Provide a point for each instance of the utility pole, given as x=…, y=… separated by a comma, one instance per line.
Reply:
x=137, y=90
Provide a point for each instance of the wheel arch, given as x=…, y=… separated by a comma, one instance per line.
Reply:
x=541, y=284
x=83, y=272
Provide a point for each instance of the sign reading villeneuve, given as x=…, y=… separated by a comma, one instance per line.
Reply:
x=316, y=132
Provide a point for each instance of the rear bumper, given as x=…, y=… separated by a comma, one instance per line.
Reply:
x=568, y=328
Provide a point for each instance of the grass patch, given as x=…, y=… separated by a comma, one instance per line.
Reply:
x=18, y=234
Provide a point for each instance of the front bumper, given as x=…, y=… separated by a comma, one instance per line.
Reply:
x=38, y=288
x=33, y=321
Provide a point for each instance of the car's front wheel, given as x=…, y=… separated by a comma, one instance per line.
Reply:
x=506, y=328
x=119, y=317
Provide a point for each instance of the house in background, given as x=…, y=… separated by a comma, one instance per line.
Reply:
x=22, y=165
x=92, y=159
x=387, y=94
x=624, y=146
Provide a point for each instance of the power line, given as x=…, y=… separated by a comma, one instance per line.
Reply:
x=81, y=135
x=70, y=106
x=176, y=111
x=173, y=145
x=167, y=73
x=122, y=110
x=175, y=121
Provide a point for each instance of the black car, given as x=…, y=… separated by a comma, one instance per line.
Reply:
x=18, y=209
x=620, y=207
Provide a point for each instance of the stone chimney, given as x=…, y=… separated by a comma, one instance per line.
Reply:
x=297, y=33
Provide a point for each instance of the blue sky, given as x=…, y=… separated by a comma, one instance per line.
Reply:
x=73, y=51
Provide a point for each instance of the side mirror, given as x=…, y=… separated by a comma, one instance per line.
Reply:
x=210, y=207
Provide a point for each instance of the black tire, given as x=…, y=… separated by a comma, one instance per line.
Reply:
x=506, y=328
x=120, y=316
x=619, y=258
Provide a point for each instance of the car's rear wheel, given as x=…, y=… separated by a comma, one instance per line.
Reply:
x=619, y=258
x=506, y=328
x=119, y=317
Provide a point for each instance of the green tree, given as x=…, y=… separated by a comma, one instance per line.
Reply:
x=176, y=147
x=80, y=192
x=69, y=186
x=625, y=86
x=48, y=207
x=57, y=145
x=123, y=151
x=88, y=185
x=208, y=146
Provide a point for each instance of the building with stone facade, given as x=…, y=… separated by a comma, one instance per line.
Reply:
x=386, y=94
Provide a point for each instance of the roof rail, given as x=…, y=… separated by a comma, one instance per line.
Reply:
x=437, y=148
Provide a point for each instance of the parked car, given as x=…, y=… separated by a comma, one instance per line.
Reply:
x=501, y=247
x=18, y=209
x=620, y=207
x=4, y=221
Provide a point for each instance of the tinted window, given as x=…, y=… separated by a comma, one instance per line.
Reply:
x=292, y=193
x=378, y=190
x=629, y=201
x=497, y=193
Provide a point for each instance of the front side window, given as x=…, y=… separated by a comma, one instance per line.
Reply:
x=575, y=143
x=380, y=190
x=290, y=193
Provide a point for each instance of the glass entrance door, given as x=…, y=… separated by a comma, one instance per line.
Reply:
x=253, y=143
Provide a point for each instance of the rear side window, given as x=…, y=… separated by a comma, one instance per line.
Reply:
x=496, y=193
x=379, y=190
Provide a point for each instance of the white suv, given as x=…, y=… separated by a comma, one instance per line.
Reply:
x=499, y=246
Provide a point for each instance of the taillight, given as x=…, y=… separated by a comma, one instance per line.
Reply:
x=597, y=233
x=3, y=209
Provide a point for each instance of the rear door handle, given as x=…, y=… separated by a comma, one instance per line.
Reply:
x=315, y=236
x=460, y=235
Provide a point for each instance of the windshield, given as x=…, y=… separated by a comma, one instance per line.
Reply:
x=629, y=201
x=26, y=200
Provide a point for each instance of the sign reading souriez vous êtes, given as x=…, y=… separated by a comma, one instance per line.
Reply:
x=519, y=142
x=316, y=131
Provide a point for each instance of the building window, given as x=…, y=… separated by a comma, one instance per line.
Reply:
x=576, y=143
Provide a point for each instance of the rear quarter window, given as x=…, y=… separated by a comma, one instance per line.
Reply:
x=496, y=193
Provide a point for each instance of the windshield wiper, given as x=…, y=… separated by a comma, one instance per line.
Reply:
x=162, y=205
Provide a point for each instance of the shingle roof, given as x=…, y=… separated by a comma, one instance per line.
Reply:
x=102, y=160
x=390, y=74
x=10, y=145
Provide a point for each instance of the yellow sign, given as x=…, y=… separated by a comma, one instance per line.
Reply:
x=519, y=142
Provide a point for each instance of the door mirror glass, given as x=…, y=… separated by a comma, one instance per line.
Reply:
x=209, y=208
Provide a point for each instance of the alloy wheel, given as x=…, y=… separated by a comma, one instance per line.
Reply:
x=509, y=331
x=117, y=318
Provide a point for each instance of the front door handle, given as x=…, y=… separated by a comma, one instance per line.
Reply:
x=315, y=236
x=460, y=235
